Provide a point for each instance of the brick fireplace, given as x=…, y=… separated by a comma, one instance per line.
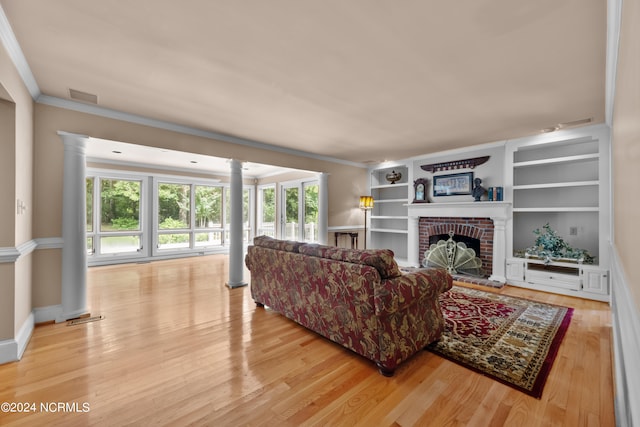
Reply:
x=485, y=221
x=474, y=228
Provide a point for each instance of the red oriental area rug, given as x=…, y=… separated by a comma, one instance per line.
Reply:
x=509, y=339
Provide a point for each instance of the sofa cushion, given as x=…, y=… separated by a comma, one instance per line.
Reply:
x=281, y=245
x=381, y=259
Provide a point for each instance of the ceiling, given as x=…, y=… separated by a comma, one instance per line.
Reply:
x=121, y=153
x=356, y=80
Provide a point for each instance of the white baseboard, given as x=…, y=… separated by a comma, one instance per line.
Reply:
x=12, y=350
x=626, y=346
x=47, y=314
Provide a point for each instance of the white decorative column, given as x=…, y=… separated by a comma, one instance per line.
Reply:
x=236, y=269
x=74, y=223
x=498, y=273
x=413, y=242
x=323, y=208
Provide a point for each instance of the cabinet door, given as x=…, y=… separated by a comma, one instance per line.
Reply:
x=595, y=281
x=515, y=269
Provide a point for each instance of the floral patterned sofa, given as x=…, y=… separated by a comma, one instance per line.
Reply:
x=357, y=298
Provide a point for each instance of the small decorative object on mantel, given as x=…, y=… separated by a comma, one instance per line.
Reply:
x=478, y=189
x=551, y=247
x=393, y=177
x=495, y=194
x=456, y=164
x=420, y=190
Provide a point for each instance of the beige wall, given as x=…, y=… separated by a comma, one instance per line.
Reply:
x=626, y=146
x=345, y=182
x=47, y=273
x=16, y=174
x=7, y=172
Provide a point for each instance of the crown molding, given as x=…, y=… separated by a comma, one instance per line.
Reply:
x=614, y=17
x=17, y=57
x=186, y=130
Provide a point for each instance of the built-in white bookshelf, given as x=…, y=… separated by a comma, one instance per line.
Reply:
x=388, y=219
x=560, y=179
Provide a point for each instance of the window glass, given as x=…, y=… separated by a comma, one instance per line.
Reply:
x=267, y=206
x=119, y=244
x=174, y=206
x=120, y=205
x=173, y=241
x=291, y=231
x=89, y=196
x=208, y=206
x=311, y=212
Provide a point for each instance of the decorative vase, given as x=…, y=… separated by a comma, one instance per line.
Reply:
x=393, y=177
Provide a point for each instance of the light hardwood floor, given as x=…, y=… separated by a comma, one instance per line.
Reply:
x=177, y=347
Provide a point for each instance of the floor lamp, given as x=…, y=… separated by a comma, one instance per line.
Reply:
x=366, y=204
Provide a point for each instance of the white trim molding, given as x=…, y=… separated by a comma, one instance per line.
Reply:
x=614, y=18
x=49, y=243
x=10, y=43
x=47, y=314
x=625, y=318
x=12, y=350
x=10, y=254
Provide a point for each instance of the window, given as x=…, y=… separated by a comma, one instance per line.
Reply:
x=178, y=215
x=299, y=205
x=114, y=215
x=195, y=216
x=174, y=215
x=310, y=211
x=209, y=227
x=89, y=199
x=266, y=211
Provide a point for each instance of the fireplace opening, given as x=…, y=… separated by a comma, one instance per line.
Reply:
x=469, y=241
x=455, y=253
x=475, y=233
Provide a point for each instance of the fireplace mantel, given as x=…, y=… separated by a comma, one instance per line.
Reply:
x=499, y=212
x=493, y=210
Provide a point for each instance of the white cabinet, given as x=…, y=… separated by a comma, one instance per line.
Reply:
x=515, y=269
x=388, y=220
x=595, y=280
x=586, y=281
x=561, y=179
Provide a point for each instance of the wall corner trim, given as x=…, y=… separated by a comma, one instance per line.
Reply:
x=625, y=318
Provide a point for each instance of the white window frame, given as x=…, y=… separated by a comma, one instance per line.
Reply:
x=260, y=205
x=300, y=185
x=95, y=257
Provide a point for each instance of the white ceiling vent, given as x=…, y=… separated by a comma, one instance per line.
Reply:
x=83, y=96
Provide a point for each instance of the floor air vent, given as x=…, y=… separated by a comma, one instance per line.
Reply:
x=82, y=320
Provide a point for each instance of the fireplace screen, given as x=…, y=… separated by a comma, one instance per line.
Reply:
x=456, y=257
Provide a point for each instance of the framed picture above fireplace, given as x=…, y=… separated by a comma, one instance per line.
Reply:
x=453, y=185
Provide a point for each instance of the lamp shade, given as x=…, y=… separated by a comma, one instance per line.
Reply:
x=366, y=202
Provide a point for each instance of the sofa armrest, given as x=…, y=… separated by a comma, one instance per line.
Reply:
x=392, y=295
